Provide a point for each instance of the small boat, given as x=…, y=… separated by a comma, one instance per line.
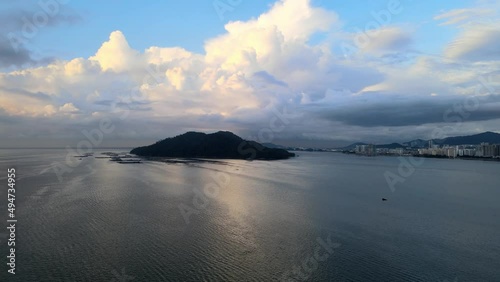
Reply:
x=384, y=199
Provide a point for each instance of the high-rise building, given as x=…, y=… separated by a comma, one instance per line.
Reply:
x=368, y=150
x=486, y=150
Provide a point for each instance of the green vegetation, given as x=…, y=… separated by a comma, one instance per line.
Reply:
x=219, y=145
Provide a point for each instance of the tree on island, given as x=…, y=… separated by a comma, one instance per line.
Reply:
x=219, y=145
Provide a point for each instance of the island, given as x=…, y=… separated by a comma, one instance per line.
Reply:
x=219, y=145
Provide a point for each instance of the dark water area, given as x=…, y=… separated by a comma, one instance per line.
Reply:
x=317, y=217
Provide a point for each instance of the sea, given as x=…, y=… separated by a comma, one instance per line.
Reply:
x=320, y=216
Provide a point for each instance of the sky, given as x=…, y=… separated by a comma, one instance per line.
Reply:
x=292, y=72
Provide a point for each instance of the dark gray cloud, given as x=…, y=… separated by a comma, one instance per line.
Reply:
x=15, y=18
x=266, y=78
x=8, y=120
x=24, y=93
x=9, y=56
x=106, y=103
x=20, y=23
x=132, y=105
x=415, y=112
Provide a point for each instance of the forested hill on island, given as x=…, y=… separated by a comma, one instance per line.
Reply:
x=219, y=145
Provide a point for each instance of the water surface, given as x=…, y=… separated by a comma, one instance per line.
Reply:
x=107, y=221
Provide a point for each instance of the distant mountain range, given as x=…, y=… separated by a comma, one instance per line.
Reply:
x=220, y=145
x=273, y=146
x=476, y=139
x=486, y=137
x=418, y=143
x=353, y=146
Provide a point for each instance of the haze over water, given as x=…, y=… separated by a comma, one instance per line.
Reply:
x=107, y=219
